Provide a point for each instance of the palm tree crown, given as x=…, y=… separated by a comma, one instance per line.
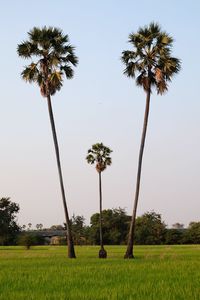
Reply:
x=100, y=155
x=55, y=58
x=150, y=60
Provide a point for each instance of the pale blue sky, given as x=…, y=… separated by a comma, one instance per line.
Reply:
x=100, y=104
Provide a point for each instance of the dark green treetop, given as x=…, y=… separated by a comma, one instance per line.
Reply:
x=150, y=60
x=54, y=58
x=100, y=155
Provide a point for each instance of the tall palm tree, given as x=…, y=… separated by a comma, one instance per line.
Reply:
x=151, y=63
x=100, y=155
x=54, y=58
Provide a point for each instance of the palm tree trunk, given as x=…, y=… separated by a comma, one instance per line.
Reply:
x=102, y=251
x=100, y=210
x=71, y=252
x=129, y=251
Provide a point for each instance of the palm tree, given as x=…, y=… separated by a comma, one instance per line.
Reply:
x=54, y=58
x=100, y=155
x=151, y=63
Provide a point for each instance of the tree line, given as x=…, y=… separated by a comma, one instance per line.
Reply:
x=150, y=229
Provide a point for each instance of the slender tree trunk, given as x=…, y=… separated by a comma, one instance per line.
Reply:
x=129, y=251
x=102, y=251
x=100, y=210
x=71, y=252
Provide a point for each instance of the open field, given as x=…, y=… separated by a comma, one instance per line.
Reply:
x=158, y=272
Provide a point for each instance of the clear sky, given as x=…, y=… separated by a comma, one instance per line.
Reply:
x=100, y=105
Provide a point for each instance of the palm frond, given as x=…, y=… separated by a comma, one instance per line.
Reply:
x=161, y=87
x=27, y=49
x=55, y=82
x=71, y=58
x=130, y=70
x=69, y=73
x=54, y=60
x=30, y=73
x=55, y=78
x=154, y=29
x=90, y=159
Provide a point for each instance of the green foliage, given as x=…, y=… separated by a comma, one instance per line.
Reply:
x=150, y=229
x=57, y=227
x=28, y=239
x=174, y=236
x=150, y=60
x=192, y=234
x=54, y=58
x=78, y=230
x=8, y=225
x=115, y=226
x=100, y=155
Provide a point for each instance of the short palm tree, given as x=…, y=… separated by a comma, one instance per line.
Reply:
x=100, y=155
x=54, y=58
x=151, y=63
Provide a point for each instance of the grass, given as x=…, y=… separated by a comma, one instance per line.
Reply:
x=44, y=273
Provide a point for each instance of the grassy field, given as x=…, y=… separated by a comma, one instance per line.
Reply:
x=157, y=272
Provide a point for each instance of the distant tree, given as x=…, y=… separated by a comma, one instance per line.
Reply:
x=192, y=234
x=178, y=226
x=100, y=155
x=23, y=227
x=55, y=58
x=151, y=61
x=78, y=229
x=58, y=227
x=9, y=228
x=27, y=240
x=114, y=228
x=29, y=226
x=39, y=226
x=150, y=229
x=174, y=236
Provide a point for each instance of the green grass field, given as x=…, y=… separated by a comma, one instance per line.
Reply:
x=157, y=272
